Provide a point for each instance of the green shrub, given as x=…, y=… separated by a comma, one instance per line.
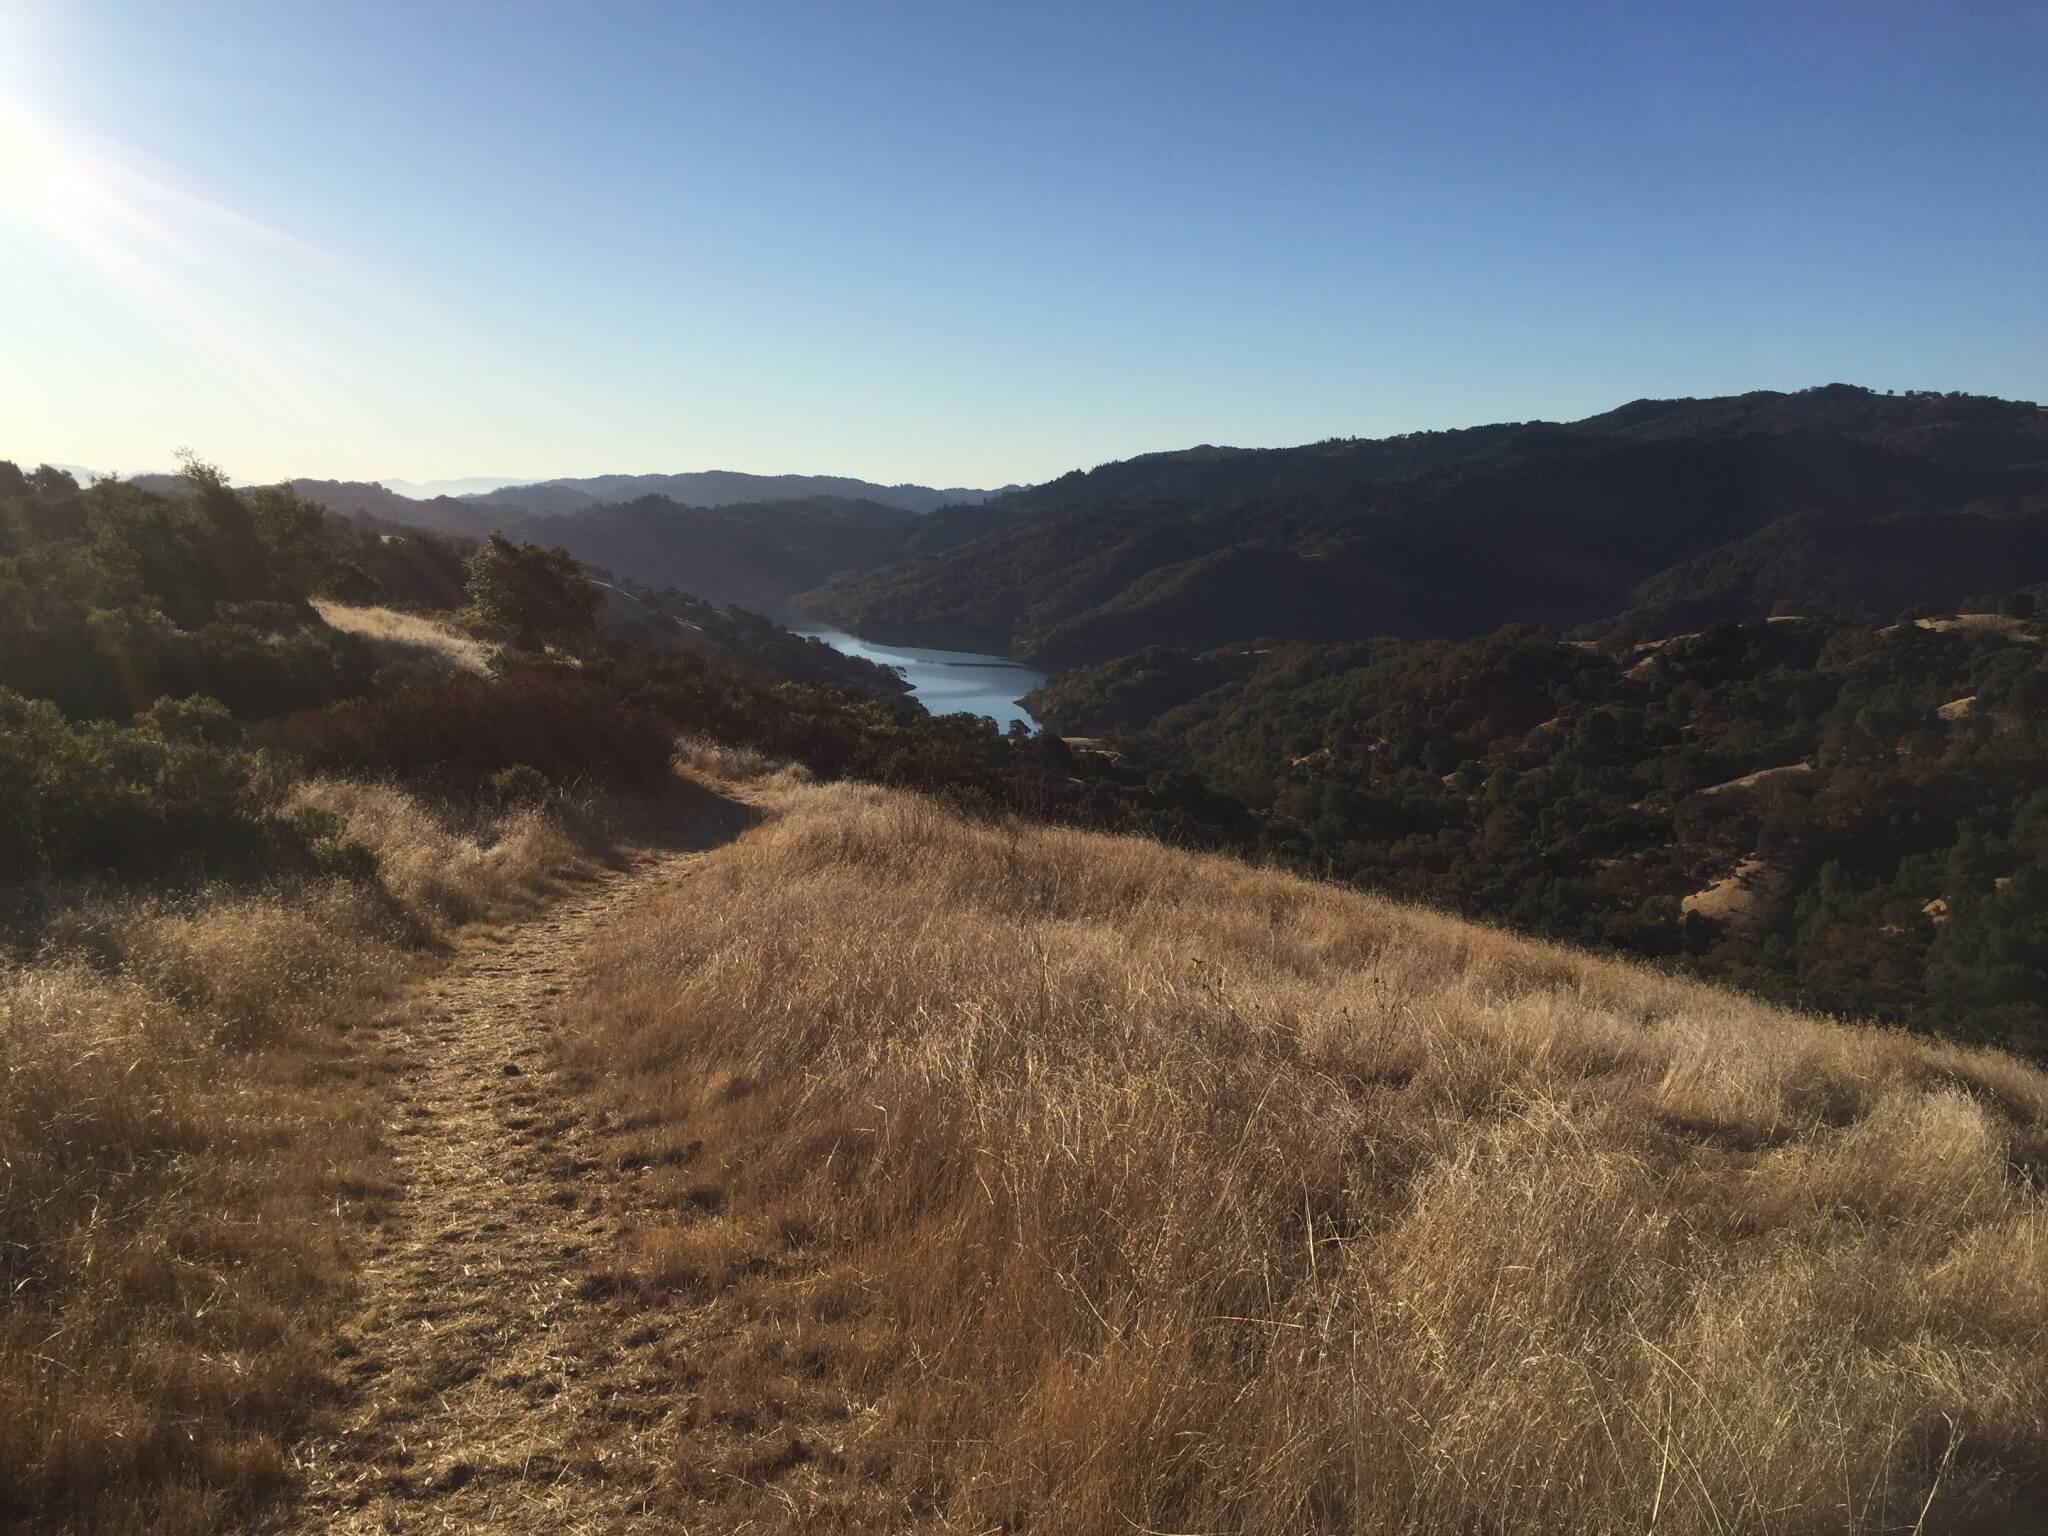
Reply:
x=520, y=785
x=171, y=791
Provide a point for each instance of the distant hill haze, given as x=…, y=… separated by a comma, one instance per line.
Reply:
x=470, y=485
x=724, y=488
x=753, y=540
x=754, y=554
x=488, y=497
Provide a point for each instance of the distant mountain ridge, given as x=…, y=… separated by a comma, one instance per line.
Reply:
x=755, y=554
x=1671, y=514
x=726, y=487
x=1665, y=511
x=468, y=485
x=571, y=494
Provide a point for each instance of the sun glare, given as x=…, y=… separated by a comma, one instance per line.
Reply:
x=193, y=267
x=23, y=162
x=53, y=185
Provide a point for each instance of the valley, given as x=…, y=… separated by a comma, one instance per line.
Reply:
x=950, y=682
x=1138, y=770
x=720, y=1074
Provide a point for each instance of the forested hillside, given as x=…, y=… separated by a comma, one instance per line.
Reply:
x=165, y=668
x=1668, y=509
x=1851, y=817
x=756, y=554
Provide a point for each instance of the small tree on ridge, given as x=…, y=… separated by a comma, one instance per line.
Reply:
x=538, y=592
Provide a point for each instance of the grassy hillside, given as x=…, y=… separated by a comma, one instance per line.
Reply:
x=237, y=815
x=1885, y=788
x=1661, y=506
x=1023, y=1179
x=191, y=1144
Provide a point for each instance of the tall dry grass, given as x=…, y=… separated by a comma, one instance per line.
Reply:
x=187, y=1134
x=413, y=637
x=1033, y=1180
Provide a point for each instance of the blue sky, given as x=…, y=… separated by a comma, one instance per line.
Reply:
x=968, y=244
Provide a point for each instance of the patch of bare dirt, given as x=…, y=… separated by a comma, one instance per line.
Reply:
x=1993, y=623
x=1737, y=901
x=1790, y=773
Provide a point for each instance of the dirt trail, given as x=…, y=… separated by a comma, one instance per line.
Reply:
x=473, y=1405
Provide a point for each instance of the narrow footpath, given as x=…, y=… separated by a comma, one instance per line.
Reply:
x=473, y=1403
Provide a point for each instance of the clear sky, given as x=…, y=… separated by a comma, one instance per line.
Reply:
x=968, y=243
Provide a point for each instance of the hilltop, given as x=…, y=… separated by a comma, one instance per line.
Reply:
x=1669, y=513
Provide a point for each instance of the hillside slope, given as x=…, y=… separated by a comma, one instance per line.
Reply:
x=1592, y=793
x=1014, y=1178
x=1445, y=535
x=755, y=554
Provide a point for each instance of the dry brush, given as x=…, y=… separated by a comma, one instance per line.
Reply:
x=1022, y=1179
x=189, y=1139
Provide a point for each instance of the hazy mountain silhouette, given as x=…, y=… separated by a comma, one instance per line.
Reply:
x=470, y=485
x=724, y=487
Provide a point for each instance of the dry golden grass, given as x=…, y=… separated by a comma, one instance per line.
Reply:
x=410, y=636
x=716, y=762
x=1032, y=1180
x=186, y=1136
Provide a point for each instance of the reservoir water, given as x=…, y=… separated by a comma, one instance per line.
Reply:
x=949, y=682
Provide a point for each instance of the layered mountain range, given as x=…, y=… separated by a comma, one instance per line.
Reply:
x=753, y=540
x=1663, y=513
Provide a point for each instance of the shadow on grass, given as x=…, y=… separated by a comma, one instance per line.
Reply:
x=683, y=816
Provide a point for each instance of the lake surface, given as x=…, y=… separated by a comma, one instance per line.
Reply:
x=949, y=682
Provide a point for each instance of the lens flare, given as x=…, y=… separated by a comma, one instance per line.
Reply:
x=227, y=285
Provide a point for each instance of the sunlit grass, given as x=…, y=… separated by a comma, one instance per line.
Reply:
x=188, y=1141
x=409, y=636
x=1027, y=1179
